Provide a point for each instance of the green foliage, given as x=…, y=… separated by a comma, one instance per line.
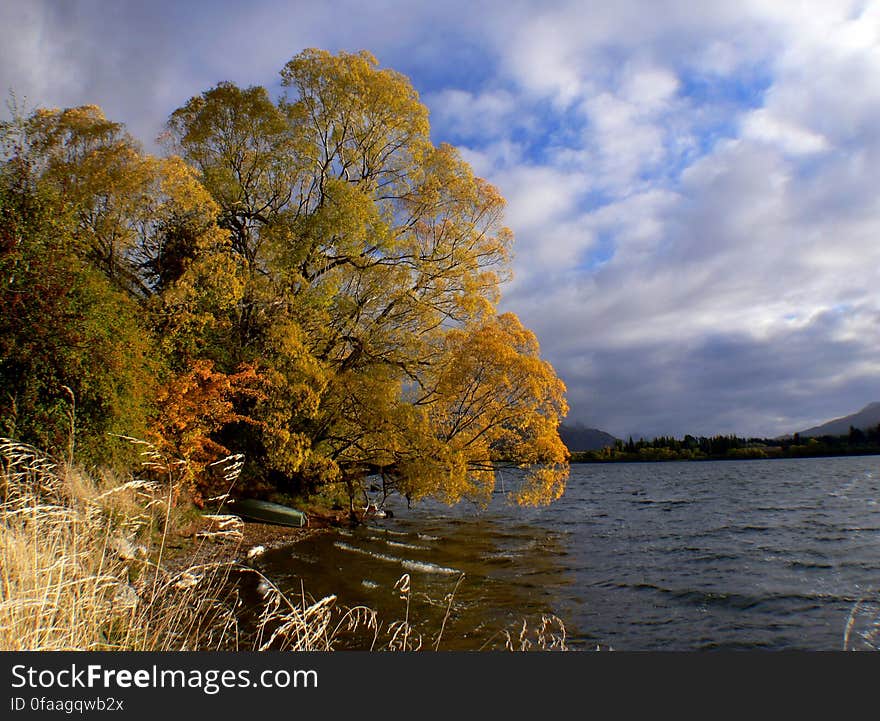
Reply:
x=67, y=336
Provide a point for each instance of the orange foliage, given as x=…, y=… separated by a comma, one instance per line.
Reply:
x=194, y=406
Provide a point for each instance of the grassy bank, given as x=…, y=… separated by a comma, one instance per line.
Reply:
x=87, y=563
x=99, y=562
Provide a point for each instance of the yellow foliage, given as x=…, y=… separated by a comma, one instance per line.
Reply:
x=318, y=271
x=493, y=398
x=99, y=171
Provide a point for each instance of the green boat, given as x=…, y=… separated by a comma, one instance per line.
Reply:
x=268, y=512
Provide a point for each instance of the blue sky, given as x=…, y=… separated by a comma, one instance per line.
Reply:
x=692, y=186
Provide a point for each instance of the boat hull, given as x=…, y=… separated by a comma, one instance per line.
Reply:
x=268, y=512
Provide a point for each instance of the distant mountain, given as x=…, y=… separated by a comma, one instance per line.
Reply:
x=868, y=417
x=580, y=438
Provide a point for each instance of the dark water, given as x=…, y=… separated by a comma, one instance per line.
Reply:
x=676, y=556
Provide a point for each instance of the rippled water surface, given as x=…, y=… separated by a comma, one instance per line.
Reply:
x=677, y=556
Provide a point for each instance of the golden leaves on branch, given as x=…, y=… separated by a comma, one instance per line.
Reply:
x=495, y=399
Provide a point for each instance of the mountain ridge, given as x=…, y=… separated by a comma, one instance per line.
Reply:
x=867, y=417
x=578, y=437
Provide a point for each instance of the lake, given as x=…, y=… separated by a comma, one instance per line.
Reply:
x=776, y=554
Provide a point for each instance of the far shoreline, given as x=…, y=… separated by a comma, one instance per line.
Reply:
x=610, y=461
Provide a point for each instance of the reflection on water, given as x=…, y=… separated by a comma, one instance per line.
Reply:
x=740, y=554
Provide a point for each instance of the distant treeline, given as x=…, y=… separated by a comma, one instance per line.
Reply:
x=693, y=448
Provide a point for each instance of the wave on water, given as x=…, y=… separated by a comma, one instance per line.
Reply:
x=387, y=531
x=740, y=600
x=354, y=549
x=398, y=544
x=405, y=562
x=663, y=502
x=408, y=546
x=429, y=568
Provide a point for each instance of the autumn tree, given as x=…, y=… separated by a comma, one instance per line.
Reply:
x=77, y=361
x=492, y=398
x=371, y=267
x=116, y=275
x=97, y=174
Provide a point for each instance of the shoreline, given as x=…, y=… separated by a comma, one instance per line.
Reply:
x=184, y=547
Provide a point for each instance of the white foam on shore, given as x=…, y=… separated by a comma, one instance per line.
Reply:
x=398, y=544
x=354, y=549
x=366, y=583
x=429, y=567
x=410, y=546
x=420, y=566
x=426, y=537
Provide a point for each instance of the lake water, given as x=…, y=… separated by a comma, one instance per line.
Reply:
x=773, y=554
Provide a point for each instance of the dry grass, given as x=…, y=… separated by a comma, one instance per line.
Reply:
x=862, y=631
x=549, y=635
x=81, y=569
x=75, y=554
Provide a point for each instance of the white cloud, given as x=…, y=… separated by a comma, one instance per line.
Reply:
x=538, y=194
x=650, y=88
x=543, y=59
x=624, y=141
x=761, y=125
x=466, y=114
